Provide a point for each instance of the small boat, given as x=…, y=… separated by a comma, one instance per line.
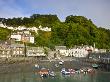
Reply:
x=77, y=70
x=95, y=66
x=44, y=72
x=72, y=71
x=87, y=70
x=91, y=70
x=65, y=72
x=52, y=74
x=36, y=66
x=60, y=63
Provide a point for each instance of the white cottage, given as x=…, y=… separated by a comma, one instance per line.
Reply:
x=79, y=51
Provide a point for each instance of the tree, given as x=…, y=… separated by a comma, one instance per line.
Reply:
x=4, y=33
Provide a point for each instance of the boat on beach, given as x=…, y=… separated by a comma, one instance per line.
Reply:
x=67, y=71
x=52, y=74
x=95, y=66
x=87, y=70
x=44, y=73
x=36, y=66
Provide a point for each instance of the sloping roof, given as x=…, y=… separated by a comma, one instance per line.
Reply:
x=35, y=48
x=17, y=45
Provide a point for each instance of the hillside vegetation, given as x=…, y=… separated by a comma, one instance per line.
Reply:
x=75, y=30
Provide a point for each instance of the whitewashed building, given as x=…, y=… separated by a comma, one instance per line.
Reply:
x=102, y=51
x=20, y=28
x=33, y=29
x=35, y=51
x=16, y=36
x=11, y=28
x=79, y=51
x=61, y=50
x=5, y=50
x=24, y=36
x=17, y=50
x=44, y=28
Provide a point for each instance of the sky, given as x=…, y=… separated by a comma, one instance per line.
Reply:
x=96, y=10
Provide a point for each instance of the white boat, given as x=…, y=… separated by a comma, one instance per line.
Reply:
x=60, y=63
x=65, y=72
x=44, y=72
x=36, y=66
x=52, y=74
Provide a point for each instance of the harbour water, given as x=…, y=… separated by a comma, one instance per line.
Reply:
x=33, y=77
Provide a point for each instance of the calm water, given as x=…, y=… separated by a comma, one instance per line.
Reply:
x=32, y=77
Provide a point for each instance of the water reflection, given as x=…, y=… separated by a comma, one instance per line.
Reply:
x=32, y=77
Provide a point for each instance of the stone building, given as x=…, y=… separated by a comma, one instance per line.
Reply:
x=5, y=50
x=35, y=52
x=17, y=50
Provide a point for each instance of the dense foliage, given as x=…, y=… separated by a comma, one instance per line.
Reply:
x=76, y=30
x=4, y=33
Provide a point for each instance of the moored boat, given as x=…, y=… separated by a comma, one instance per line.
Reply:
x=44, y=72
x=95, y=66
x=52, y=74
x=67, y=71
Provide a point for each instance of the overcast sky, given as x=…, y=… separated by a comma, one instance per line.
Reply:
x=96, y=10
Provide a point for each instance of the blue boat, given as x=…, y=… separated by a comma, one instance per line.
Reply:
x=65, y=72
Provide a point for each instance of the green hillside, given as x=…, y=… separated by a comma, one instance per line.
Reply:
x=75, y=30
x=4, y=33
